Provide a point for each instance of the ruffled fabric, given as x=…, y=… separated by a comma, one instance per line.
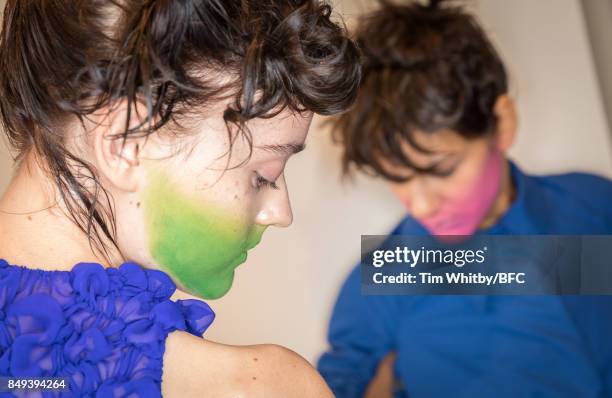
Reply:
x=102, y=328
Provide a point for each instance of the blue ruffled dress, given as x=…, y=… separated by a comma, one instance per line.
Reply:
x=104, y=329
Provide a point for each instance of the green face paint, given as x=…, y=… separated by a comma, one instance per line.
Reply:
x=198, y=244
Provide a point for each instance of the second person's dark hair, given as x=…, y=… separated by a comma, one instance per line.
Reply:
x=426, y=68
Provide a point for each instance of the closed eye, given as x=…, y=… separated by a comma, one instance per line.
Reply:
x=441, y=170
x=438, y=172
x=261, y=182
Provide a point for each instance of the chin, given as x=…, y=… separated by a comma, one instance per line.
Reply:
x=215, y=289
x=213, y=284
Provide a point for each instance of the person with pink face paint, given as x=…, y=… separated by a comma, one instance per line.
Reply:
x=433, y=117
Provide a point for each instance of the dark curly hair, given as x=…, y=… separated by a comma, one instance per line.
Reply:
x=426, y=68
x=62, y=60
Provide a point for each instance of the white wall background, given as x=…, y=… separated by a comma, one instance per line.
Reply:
x=284, y=293
x=598, y=14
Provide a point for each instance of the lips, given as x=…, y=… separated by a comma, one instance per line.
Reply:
x=240, y=259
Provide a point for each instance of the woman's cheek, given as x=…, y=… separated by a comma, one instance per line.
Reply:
x=198, y=244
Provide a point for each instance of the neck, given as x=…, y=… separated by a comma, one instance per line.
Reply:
x=504, y=199
x=35, y=229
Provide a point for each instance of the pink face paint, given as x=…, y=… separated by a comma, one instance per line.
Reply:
x=462, y=215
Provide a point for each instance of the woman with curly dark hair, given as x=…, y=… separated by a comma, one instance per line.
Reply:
x=151, y=138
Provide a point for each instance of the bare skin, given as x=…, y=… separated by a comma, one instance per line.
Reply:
x=381, y=385
x=217, y=370
x=35, y=231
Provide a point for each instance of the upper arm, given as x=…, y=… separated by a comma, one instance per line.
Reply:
x=283, y=373
x=194, y=368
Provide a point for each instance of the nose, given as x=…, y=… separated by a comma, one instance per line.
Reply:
x=276, y=209
x=418, y=197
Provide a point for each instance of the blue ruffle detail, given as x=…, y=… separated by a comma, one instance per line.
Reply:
x=102, y=328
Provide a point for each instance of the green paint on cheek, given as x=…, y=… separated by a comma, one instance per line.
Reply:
x=198, y=244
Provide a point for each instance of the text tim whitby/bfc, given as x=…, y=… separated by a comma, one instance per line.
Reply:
x=457, y=278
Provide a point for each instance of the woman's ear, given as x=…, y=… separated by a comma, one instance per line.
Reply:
x=117, y=158
x=507, y=122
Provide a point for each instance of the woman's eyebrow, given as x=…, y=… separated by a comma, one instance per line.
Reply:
x=283, y=149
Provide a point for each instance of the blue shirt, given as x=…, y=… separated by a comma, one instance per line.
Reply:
x=486, y=346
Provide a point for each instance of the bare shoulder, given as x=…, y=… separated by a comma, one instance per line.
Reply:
x=201, y=368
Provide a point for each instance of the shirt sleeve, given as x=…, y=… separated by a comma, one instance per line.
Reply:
x=360, y=334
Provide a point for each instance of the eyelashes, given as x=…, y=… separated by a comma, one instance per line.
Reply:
x=261, y=182
x=443, y=173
